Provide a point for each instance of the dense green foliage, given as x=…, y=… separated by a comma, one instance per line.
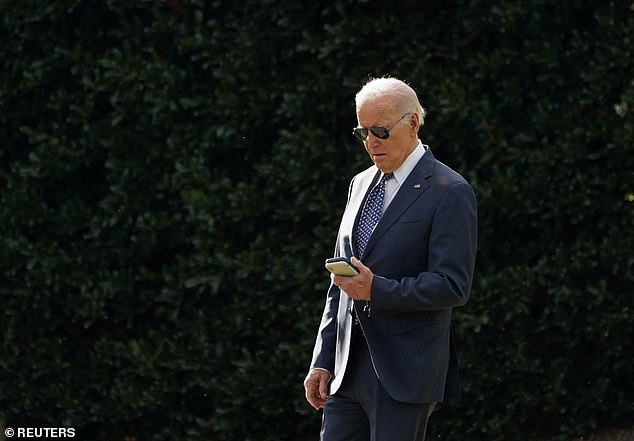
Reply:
x=173, y=174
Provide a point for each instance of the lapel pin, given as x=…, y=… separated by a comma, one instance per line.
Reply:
x=416, y=185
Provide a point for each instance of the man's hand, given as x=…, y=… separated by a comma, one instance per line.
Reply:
x=316, y=385
x=358, y=287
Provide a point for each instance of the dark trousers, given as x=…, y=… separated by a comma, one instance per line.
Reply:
x=362, y=410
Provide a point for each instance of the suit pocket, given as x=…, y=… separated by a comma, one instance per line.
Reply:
x=403, y=326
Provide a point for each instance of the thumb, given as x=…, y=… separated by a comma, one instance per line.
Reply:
x=356, y=262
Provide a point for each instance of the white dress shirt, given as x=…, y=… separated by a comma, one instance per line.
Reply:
x=400, y=174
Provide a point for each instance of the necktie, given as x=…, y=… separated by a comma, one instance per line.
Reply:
x=372, y=211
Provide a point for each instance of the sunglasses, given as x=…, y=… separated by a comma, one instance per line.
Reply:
x=380, y=132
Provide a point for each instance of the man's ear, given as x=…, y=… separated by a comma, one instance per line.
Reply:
x=414, y=124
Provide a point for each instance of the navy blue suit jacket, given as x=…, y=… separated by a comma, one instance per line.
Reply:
x=422, y=254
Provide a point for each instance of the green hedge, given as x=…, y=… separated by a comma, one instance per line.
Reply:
x=173, y=175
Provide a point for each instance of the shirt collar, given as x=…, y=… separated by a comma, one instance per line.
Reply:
x=401, y=173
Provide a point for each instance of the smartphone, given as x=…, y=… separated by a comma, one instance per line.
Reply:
x=341, y=266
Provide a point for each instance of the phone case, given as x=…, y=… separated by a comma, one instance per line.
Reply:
x=341, y=267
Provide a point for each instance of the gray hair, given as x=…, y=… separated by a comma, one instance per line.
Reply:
x=405, y=96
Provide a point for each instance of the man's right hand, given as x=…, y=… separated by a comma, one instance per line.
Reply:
x=316, y=386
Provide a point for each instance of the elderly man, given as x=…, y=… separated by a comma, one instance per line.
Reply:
x=385, y=354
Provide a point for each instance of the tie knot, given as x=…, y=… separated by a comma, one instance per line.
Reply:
x=387, y=177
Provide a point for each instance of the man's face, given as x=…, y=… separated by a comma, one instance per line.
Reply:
x=387, y=154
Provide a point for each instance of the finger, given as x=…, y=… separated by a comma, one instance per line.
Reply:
x=311, y=396
x=338, y=280
x=323, y=388
x=356, y=262
x=314, y=402
x=317, y=402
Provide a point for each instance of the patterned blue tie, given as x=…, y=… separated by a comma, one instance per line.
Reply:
x=372, y=211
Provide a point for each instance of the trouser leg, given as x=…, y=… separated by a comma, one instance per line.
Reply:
x=362, y=410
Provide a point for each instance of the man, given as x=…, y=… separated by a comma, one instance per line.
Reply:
x=384, y=354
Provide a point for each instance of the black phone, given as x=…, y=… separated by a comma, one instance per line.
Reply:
x=341, y=266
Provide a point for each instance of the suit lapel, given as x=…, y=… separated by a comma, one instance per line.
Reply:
x=413, y=187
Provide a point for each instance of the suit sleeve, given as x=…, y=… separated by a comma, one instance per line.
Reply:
x=451, y=260
x=325, y=344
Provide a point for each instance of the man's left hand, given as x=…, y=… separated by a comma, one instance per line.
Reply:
x=358, y=287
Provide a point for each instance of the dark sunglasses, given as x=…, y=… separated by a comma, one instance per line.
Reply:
x=380, y=132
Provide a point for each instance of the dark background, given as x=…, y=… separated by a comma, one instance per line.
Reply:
x=172, y=176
